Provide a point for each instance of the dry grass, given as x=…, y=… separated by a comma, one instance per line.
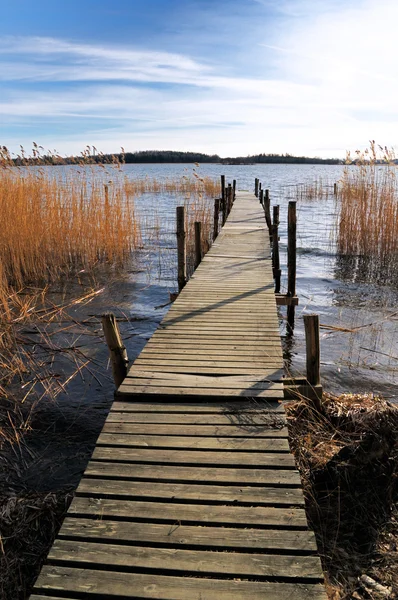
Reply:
x=316, y=190
x=28, y=525
x=59, y=224
x=348, y=461
x=368, y=214
x=185, y=185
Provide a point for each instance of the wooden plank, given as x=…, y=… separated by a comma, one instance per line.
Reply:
x=188, y=535
x=151, y=390
x=274, y=429
x=199, y=443
x=201, y=379
x=157, y=350
x=189, y=491
x=194, y=457
x=209, y=408
x=186, y=561
x=191, y=513
x=208, y=370
x=224, y=475
x=245, y=419
x=111, y=584
x=169, y=359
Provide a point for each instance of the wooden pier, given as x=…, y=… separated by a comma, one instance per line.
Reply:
x=191, y=492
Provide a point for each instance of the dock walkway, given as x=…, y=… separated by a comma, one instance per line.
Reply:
x=191, y=492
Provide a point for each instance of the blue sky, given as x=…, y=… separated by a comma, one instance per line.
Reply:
x=223, y=76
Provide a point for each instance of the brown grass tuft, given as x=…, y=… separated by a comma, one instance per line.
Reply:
x=348, y=461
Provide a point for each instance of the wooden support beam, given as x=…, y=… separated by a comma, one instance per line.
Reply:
x=234, y=190
x=275, y=250
x=198, y=243
x=117, y=350
x=261, y=196
x=311, y=326
x=291, y=261
x=284, y=300
x=181, y=248
x=267, y=210
x=229, y=198
x=216, y=217
x=256, y=187
x=222, y=206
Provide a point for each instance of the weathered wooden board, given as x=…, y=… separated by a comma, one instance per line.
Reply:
x=199, y=443
x=286, y=517
x=273, y=429
x=109, y=488
x=209, y=474
x=194, y=457
x=110, y=584
x=189, y=535
x=185, y=561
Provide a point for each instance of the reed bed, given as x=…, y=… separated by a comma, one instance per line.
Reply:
x=57, y=224
x=316, y=190
x=185, y=185
x=367, y=229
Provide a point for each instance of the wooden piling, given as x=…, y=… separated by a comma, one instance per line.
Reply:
x=267, y=211
x=216, y=217
x=198, y=243
x=181, y=248
x=261, y=197
x=117, y=350
x=234, y=190
x=223, y=195
x=291, y=260
x=230, y=198
x=311, y=326
x=224, y=202
x=256, y=187
x=275, y=250
x=335, y=189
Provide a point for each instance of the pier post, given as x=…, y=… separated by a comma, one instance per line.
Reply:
x=216, y=217
x=256, y=187
x=198, y=243
x=229, y=198
x=275, y=250
x=335, y=189
x=234, y=190
x=291, y=260
x=311, y=326
x=223, y=196
x=267, y=211
x=181, y=248
x=261, y=197
x=117, y=350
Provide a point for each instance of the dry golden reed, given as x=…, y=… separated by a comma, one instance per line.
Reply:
x=368, y=208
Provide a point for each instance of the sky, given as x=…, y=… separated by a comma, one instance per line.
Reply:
x=231, y=77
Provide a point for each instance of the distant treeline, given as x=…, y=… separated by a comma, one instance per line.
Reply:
x=190, y=157
x=171, y=156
